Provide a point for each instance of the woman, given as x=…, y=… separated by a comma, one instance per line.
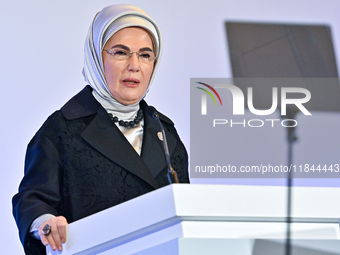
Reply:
x=101, y=148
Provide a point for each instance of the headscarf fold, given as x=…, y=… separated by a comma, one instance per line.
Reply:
x=106, y=23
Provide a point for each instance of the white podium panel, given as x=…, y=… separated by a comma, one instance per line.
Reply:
x=179, y=215
x=211, y=246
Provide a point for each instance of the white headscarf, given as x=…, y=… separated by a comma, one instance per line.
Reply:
x=105, y=24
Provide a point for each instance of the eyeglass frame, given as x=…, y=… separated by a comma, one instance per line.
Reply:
x=138, y=54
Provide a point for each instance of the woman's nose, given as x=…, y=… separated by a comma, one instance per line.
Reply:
x=134, y=63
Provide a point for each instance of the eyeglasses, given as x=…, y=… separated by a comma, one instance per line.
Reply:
x=121, y=54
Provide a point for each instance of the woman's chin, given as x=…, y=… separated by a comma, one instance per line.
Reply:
x=129, y=100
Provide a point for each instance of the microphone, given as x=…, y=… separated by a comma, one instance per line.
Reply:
x=172, y=175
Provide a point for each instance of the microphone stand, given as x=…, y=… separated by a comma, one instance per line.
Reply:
x=172, y=175
x=291, y=138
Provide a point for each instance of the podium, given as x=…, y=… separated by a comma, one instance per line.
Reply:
x=211, y=219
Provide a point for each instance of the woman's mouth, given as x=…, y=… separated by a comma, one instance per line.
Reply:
x=131, y=82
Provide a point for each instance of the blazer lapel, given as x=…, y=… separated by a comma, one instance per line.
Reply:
x=105, y=137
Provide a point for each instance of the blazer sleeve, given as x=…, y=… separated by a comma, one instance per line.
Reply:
x=39, y=190
x=179, y=160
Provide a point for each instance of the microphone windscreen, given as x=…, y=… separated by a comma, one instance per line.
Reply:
x=151, y=111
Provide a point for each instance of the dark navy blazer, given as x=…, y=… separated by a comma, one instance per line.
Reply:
x=79, y=163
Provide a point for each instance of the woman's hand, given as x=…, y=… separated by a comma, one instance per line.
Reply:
x=58, y=233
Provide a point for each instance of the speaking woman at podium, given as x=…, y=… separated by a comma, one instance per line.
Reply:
x=101, y=148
